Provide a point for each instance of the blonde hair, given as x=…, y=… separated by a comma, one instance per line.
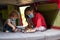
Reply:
x=13, y=13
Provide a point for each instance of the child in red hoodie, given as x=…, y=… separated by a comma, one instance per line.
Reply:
x=36, y=19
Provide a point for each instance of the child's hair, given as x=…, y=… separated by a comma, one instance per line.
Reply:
x=13, y=13
x=29, y=9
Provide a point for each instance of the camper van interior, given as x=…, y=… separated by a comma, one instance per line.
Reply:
x=48, y=8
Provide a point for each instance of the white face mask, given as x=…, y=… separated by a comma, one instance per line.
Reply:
x=14, y=18
x=31, y=15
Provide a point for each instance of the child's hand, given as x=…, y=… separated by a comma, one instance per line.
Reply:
x=13, y=28
x=30, y=30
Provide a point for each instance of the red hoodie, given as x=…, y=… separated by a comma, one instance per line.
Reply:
x=38, y=20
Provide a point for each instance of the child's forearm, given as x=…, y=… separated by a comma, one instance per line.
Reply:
x=11, y=25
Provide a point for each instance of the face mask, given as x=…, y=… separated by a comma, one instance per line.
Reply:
x=14, y=19
x=31, y=15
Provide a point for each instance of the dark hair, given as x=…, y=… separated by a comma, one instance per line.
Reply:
x=28, y=9
x=13, y=13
